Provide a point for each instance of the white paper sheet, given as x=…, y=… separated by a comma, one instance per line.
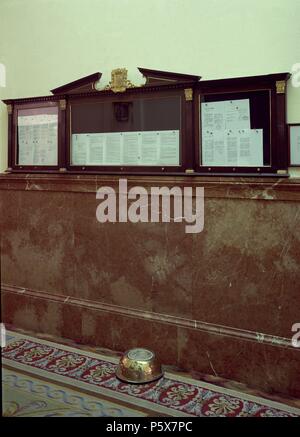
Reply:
x=131, y=148
x=213, y=116
x=26, y=147
x=37, y=139
x=79, y=149
x=237, y=114
x=169, y=147
x=224, y=115
x=95, y=149
x=150, y=141
x=251, y=148
x=232, y=146
x=208, y=148
x=113, y=149
x=295, y=145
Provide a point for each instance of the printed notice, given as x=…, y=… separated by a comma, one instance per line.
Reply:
x=232, y=143
x=225, y=115
x=79, y=149
x=237, y=114
x=37, y=139
x=213, y=116
x=131, y=149
x=251, y=148
x=143, y=148
x=169, y=147
x=113, y=149
x=214, y=148
x=295, y=145
x=150, y=148
x=243, y=148
x=95, y=149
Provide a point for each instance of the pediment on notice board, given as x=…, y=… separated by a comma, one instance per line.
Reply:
x=119, y=81
x=85, y=84
x=158, y=77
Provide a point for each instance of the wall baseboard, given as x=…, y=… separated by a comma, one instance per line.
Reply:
x=261, y=361
x=198, y=325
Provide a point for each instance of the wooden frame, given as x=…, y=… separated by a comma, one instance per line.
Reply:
x=13, y=135
x=123, y=169
x=278, y=133
x=158, y=84
x=289, y=143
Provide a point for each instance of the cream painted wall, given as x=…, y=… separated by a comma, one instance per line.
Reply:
x=46, y=43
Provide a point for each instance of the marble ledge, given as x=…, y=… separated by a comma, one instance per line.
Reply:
x=260, y=188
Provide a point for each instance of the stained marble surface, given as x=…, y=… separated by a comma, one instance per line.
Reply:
x=242, y=272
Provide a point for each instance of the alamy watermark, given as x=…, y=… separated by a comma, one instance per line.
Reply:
x=2, y=76
x=296, y=337
x=2, y=335
x=296, y=75
x=133, y=205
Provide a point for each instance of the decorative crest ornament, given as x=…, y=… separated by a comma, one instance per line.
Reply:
x=119, y=82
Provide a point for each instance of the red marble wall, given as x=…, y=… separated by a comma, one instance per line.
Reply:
x=222, y=301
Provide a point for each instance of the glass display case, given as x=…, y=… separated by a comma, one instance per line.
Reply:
x=35, y=140
x=294, y=144
x=241, y=125
x=137, y=132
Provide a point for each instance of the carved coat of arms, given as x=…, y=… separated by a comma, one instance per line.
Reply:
x=119, y=82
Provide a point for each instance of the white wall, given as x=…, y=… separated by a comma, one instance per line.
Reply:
x=46, y=43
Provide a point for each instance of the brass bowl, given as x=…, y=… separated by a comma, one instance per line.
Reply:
x=139, y=366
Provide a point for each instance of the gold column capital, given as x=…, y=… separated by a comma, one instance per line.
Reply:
x=282, y=172
x=9, y=109
x=188, y=93
x=62, y=104
x=280, y=86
